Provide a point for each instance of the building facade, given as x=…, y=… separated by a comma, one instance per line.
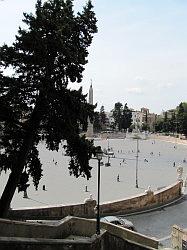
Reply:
x=143, y=117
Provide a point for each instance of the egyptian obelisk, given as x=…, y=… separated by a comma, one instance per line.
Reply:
x=89, y=132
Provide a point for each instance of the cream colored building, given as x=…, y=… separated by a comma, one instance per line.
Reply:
x=143, y=117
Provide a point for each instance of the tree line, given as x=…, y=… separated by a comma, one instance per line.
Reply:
x=173, y=121
x=122, y=118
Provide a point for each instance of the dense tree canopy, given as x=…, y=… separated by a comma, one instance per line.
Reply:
x=96, y=122
x=100, y=120
x=117, y=115
x=182, y=118
x=103, y=117
x=174, y=121
x=35, y=101
x=126, y=117
x=122, y=116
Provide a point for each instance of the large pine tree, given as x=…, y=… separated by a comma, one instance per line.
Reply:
x=35, y=101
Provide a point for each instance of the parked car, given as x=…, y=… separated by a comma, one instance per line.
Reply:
x=119, y=222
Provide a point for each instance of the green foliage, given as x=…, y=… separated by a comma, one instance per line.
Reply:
x=23, y=182
x=182, y=118
x=100, y=120
x=117, y=115
x=103, y=118
x=35, y=102
x=177, y=122
x=80, y=150
x=126, y=117
x=122, y=116
x=96, y=122
x=145, y=127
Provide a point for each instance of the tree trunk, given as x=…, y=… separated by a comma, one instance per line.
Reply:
x=8, y=193
x=14, y=177
x=18, y=167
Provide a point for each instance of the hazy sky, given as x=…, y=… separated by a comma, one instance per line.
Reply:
x=138, y=56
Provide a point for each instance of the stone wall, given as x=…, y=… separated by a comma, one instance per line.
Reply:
x=23, y=235
x=129, y=205
x=85, y=210
x=179, y=238
x=34, y=236
x=49, y=244
x=142, y=202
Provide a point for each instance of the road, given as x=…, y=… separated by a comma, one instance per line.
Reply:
x=159, y=223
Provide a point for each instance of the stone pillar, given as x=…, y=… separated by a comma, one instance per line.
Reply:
x=89, y=205
x=176, y=237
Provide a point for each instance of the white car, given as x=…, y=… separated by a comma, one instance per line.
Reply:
x=119, y=222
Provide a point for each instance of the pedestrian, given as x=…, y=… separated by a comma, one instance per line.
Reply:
x=174, y=164
x=118, y=178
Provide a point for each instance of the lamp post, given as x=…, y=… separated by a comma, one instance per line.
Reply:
x=137, y=151
x=99, y=154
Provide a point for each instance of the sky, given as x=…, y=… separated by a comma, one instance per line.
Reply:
x=138, y=56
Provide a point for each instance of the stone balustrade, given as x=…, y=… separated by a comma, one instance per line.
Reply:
x=145, y=201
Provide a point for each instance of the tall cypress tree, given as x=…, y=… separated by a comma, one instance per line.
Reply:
x=102, y=115
x=35, y=102
x=96, y=122
x=126, y=117
x=117, y=115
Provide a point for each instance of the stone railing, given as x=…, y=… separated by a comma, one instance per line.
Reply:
x=85, y=210
x=142, y=202
x=24, y=235
x=132, y=204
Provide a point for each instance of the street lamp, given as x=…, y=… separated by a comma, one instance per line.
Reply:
x=137, y=151
x=137, y=137
x=99, y=154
